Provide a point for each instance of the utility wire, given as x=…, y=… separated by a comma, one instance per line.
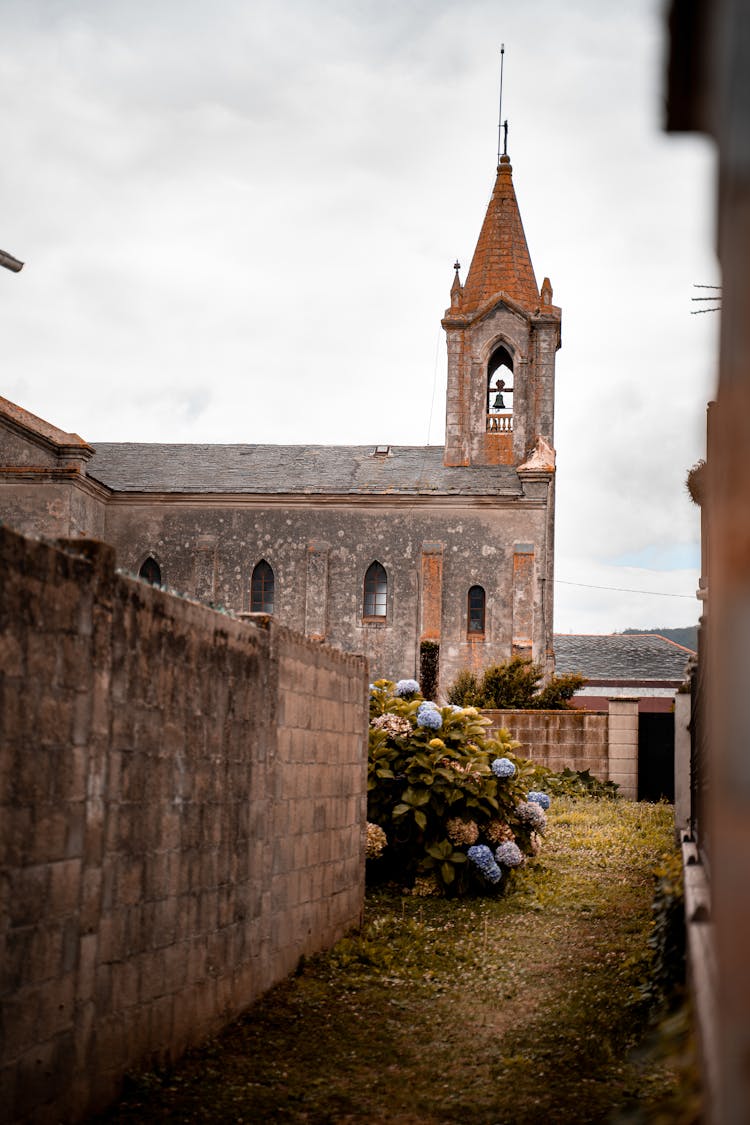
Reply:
x=623, y=589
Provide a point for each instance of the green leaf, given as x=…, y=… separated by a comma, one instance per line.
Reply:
x=444, y=772
x=415, y=796
x=447, y=872
x=420, y=818
x=385, y=773
x=400, y=810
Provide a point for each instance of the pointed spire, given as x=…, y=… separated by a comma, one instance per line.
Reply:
x=456, y=288
x=501, y=260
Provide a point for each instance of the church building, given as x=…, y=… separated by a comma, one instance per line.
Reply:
x=389, y=551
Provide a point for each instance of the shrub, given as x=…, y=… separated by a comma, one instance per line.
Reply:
x=572, y=783
x=429, y=667
x=464, y=692
x=510, y=685
x=667, y=940
x=434, y=793
x=558, y=692
x=514, y=685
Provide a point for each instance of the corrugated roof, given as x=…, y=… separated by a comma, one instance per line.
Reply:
x=620, y=656
x=501, y=260
x=293, y=469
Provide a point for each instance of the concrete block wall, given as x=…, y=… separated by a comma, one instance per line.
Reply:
x=556, y=739
x=604, y=743
x=623, y=746
x=682, y=764
x=182, y=802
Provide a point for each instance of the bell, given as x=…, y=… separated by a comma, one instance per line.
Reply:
x=498, y=404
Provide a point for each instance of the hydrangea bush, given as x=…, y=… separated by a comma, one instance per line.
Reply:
x=450, y=800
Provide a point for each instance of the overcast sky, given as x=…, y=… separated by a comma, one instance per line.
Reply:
x=239, y=220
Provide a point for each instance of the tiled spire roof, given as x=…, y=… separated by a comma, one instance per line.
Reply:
x=501, y=260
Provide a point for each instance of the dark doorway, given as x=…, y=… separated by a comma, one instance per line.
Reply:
x=655, y=756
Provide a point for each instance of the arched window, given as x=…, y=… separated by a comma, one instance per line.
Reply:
x=500, y=381
x=150, y=571
x=376, y=592
x=475, y=614
x=261, y=589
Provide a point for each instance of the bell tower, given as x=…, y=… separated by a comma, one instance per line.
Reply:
x=502, y=334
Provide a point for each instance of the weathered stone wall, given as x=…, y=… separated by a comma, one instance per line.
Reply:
x=556, y=739
x=432, y=553
x=56, y=507
x=434, y=547
x=181, y=816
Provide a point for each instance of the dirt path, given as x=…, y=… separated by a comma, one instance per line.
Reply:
x=512, y=1010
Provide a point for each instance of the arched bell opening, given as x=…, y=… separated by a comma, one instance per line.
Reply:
x=500, y=390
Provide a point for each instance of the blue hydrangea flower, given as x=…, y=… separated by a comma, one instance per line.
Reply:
x=503, y=767
x=429, y=717
x=482, y=858
x=509, y=854
x=455, y=708
x=541, y=799
x=406, y=687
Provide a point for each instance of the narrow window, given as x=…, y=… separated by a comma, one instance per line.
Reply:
x=150, y=571
x=376, y=591
x=261, y=589
x=476, y=611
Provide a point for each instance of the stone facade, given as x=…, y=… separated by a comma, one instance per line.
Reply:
x=476, y=516
x=182, y=810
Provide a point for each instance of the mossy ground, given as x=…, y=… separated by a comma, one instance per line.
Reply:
x=523, y=1008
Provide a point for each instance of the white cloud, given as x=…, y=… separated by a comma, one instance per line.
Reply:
x=239, y=222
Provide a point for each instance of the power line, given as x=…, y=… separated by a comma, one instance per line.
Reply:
x=623, y=589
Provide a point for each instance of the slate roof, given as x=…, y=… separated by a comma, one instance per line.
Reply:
x=620, y=656
x=293, y=469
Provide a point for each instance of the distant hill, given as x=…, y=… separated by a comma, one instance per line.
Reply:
x=687, y=635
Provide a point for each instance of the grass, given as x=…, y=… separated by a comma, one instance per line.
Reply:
x=496, y=1011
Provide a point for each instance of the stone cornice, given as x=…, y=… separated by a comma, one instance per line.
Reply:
x=396, y=501
x=68, y=474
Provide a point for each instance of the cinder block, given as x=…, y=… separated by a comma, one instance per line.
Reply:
x=128, y=881
x=151, y=982
x=21, y=1021
x=17, y=838
x=87, y=963
x=57, y=1002
x=28, y=900
x=42, y=1075
x=12, y=656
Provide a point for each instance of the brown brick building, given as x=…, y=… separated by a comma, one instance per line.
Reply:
x=374, y=549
